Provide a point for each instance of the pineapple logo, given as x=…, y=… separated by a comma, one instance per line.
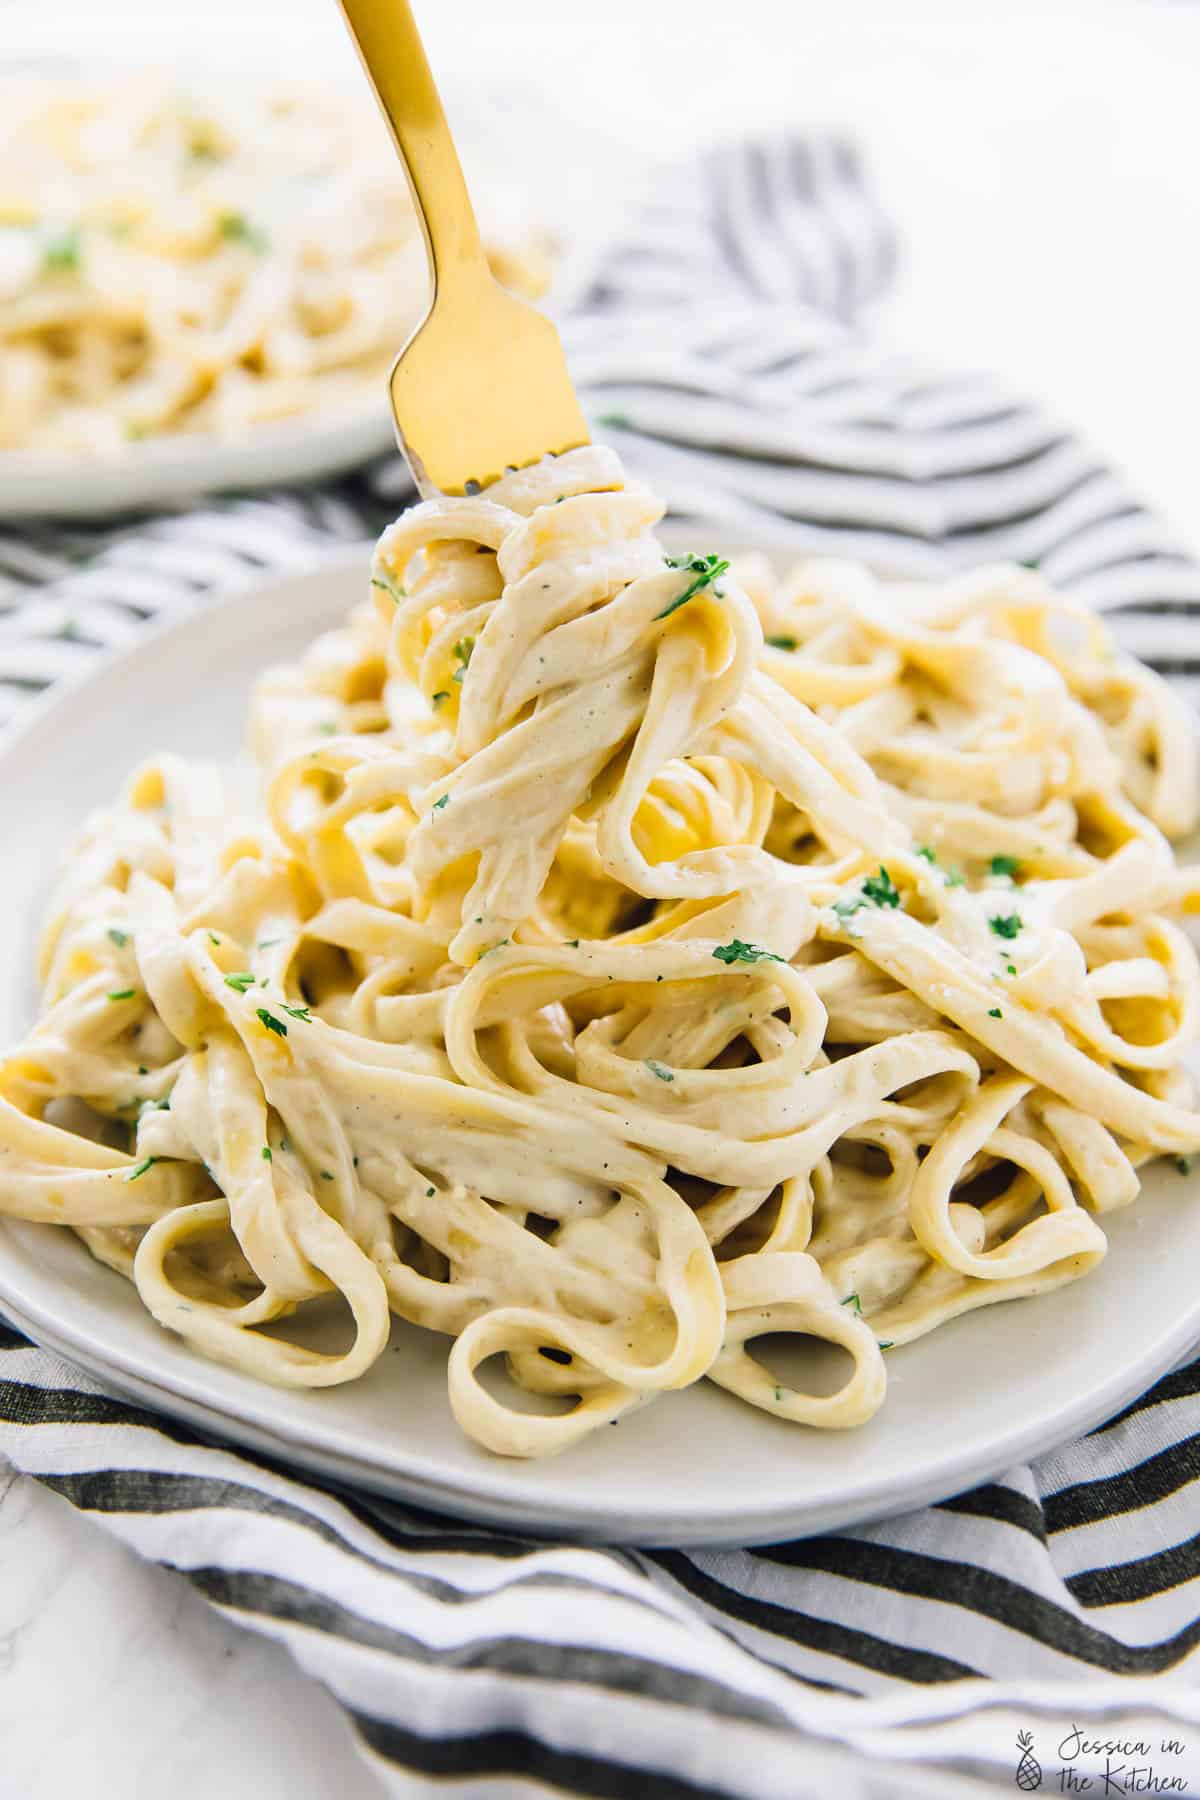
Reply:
x=1029, y=1770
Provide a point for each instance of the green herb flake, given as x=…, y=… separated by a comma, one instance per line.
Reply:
x=463, y=652
x=298, y=1012
x=142, y=1069
x=147, y=1162
x=271, y=1022
x=994, y=1012
x=1005, y=865
x=659, y=1070
x=703, y=569
x=240, y=230
x=881, y=889
x=267, y=943
x=572, y=943
x=325, y=1175
x=239, y=983
x=119, y=938
x=1184, y=1164
x=393, y=589
x=736, y=952
x=854, y=1301
x=430, y=1192
x=846, y=909
x=266, y=1153
x=63, y=254
x=781, y=641
x=955, y=878
x=213, y=938
x=439, y=804
x=123, y=994
x=926, y=851
x=618, y=421
x=885, y=1343
x=440, y=698
x=1006, y=925
x=779, y=1396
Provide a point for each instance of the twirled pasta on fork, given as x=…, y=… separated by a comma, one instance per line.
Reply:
x=629, y=956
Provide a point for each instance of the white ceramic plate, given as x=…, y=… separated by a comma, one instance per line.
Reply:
x=982, y=1393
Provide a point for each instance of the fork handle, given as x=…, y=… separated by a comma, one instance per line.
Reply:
x=389, y=44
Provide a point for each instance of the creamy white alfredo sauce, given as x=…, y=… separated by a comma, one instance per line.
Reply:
x=629, y=957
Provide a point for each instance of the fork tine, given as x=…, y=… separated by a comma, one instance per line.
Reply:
x=482, y=385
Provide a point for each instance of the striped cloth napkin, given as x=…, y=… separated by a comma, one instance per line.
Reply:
x=1045, y=1621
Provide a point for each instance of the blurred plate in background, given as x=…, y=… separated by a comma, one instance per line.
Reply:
x=572, y=198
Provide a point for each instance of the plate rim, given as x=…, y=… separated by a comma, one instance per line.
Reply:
x=485, y=1495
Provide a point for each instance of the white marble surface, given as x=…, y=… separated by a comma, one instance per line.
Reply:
x=1042, y=166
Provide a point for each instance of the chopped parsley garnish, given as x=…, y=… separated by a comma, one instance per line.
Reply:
x=736, y=951
x=994, y=1012
x=147, y=1162
x=266, y=1153
x=429, y=1193
x=213, y=938
x=955, y=878
x=781, y=641
x=854, y=1301
x=1184, y=1164
x=1006, y=925
x=702, y=569
x=271, y=1022
x=267, y=943
x=240, y=982
x=881, y=889
x=442, y=695
x=392, y=588
x=325, y=1175
x=62, y=255
x=239, y=230
x=462, y=654
x=1005, y=865
x=123, y=994
x=142, y=1069
x=846, y=909
x=119, y=938
x=885, y=1343
x=298, y=1012
x=618, y=420
x=779, y=1396
x=659, y=1069
x=927, y=852
x=572, y=943
x=1011, y=967
x=438, y=804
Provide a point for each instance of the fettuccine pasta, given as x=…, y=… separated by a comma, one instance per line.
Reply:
x=627, y=958
x=175, y=264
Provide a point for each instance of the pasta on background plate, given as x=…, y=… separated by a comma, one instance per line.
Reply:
x=175, y=262
x=629, y=957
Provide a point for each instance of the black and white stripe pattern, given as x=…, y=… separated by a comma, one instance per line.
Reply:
x=719, y=344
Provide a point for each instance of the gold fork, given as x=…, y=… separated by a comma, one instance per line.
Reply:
x=481, y=385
